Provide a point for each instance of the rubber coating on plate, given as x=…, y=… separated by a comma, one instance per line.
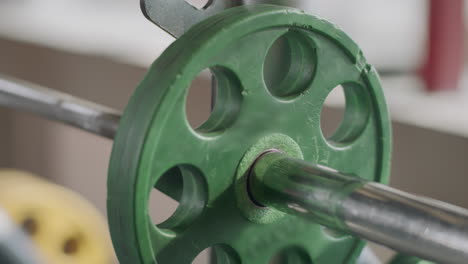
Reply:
x=256, y=98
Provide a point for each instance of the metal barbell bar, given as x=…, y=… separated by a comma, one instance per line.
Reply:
x=58, y=106
x=412, y=224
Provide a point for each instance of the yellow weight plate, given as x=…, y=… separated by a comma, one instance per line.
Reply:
x=65, y=227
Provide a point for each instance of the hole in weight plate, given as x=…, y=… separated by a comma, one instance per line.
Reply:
x=30, y=226
x=347, y=113
x=71, y=246
x=293, y=255
x=199, y=98
x=333, y=112
x=217, y=85
x=199, y=4
x=217, y=254
x=179, y=199
x=162, y=207
x=204, y=257
x=290, y=65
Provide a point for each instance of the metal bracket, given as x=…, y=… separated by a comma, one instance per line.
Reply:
x=177, y=16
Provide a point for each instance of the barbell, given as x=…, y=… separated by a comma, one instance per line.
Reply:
x=258, y=178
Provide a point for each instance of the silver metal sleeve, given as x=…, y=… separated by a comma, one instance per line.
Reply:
x=411, y=224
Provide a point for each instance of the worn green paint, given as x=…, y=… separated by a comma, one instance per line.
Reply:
x=154, y=136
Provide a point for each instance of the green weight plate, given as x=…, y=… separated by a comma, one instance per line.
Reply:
x=402, y=259
x=256, y=110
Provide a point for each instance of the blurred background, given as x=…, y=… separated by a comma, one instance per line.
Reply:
x=101, y=49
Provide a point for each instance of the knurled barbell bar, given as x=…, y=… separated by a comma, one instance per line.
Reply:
x=260, y=162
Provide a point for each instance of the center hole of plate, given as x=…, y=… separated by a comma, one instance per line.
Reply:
x=250, y=176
